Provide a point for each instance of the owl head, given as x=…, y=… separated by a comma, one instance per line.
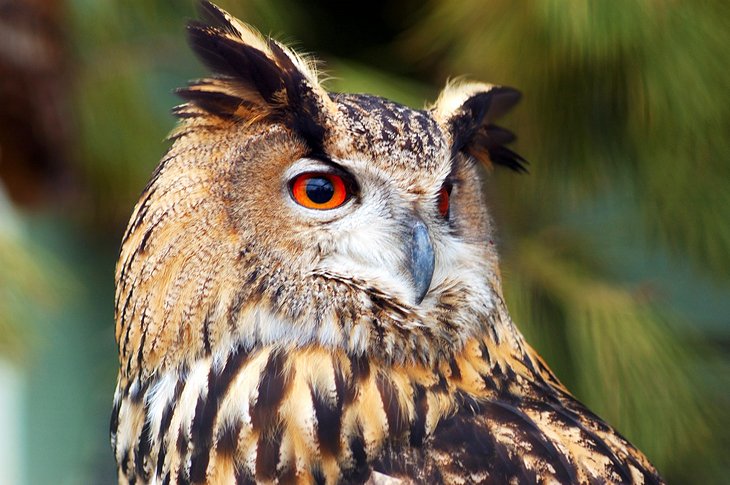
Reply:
x=286, y=214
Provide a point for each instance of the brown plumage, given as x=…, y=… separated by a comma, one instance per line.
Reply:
x=266, y=338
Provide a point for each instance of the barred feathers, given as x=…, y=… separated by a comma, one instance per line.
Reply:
x=308, y=415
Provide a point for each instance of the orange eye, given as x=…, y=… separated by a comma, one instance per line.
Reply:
x=444, y=202
x=319, y=190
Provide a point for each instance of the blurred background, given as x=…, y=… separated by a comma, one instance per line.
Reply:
x=615, y=247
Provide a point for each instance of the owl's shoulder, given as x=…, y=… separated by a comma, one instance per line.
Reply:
x=543, y=435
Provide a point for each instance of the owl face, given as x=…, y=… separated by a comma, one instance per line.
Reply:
x=382, y=201
x=287, y=214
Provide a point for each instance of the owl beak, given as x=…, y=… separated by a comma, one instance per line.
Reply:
x=422, y=259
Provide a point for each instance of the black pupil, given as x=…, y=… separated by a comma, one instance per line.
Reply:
x=320, y=190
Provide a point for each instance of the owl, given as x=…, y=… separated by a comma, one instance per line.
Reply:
x=307, y=292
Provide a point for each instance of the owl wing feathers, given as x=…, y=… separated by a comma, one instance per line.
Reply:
x=508, y=441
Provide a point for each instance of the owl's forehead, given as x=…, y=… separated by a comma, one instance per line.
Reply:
x=393, y=136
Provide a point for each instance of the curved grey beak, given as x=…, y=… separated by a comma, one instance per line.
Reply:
x=421, y=259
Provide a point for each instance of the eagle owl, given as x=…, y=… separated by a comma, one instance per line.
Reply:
x=307, y=292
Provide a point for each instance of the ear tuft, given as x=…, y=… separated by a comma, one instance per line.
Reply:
x=254, y=76
x=467, y=110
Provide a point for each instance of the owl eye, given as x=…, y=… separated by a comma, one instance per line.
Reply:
x=443, y=201
x=319, y=190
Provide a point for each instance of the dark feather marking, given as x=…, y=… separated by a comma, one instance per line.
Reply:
x=182, y=448
x=123, y=319
x=288, y=473
x=276, y=300
x=329, y=422
x=114, y=420
x=502, y=155
x=395, y=415
x=138, y=394
x=600, y=446
x=206, y=332
x=166, y=480
x=541, y=444
x=201, y=456
x=469, y=403
x=340, y=382
x=143, y=243
x=359, y=367
x=144, y=204
x=183, y=477
x=265, y=414
x=207, y=410
x=360, y=470
x=252, y=277
x=170, y=408
x=232, y=57
x=243, y=476
x=576, y=409
x=141, y=455
x=215, y=102
x=303, y=103
x=418, y=426
x=472, y=129
x=267, y=454
x=484, y=351
x=547, y=373
x=227, y=442
x=161, y=455
x=318, y=476
x=272, y=388
x=144, y=325
x=454, y=367
x=124, y=464
x=379, y=331
x=236, y=306
x=182, y=441
x=442, y=386
x=470, y=445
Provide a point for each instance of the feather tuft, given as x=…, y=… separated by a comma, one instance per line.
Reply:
x=468, y=110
